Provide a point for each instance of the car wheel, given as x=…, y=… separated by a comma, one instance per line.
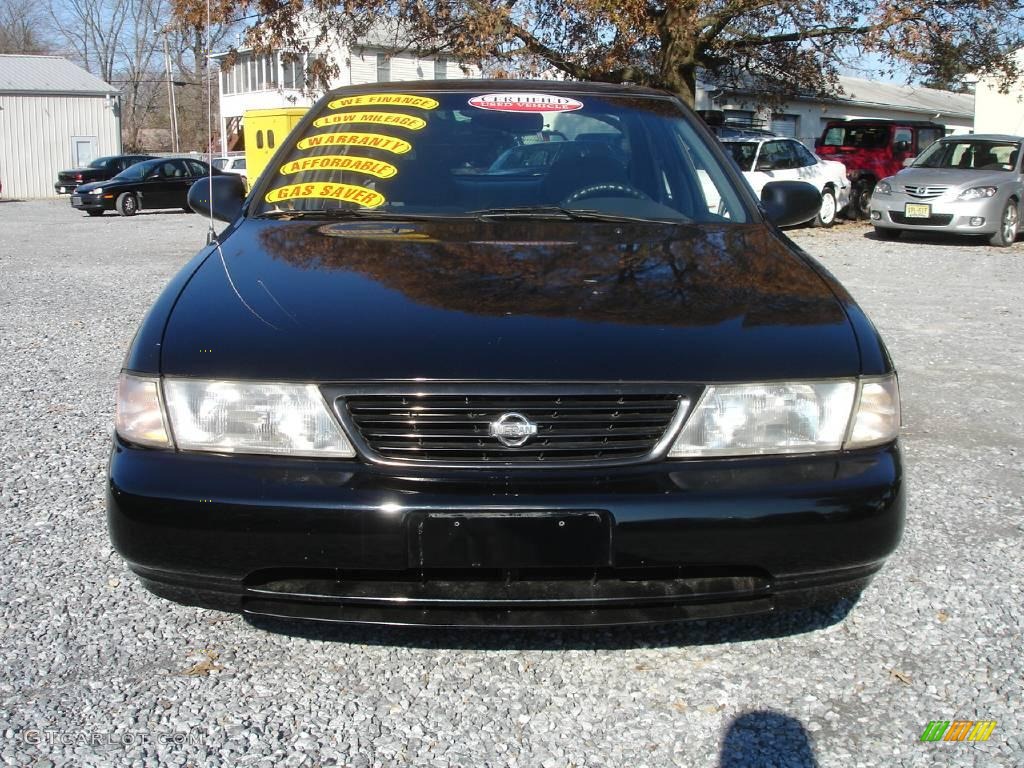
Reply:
x=127, y=204
x=1007, y=232
x=827, y=213
x=860, y=198
x=95, y=213
x=884, y=233
x=186, y=209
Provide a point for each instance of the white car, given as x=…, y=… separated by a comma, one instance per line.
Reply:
x=231, y=164
x=776, y=158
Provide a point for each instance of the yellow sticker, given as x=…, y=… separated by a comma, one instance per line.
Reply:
x=384, y=99
x=348, y=193
x=380, y=118
x=370, y=140
x=377, y=168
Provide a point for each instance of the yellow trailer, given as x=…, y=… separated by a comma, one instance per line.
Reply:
x=265, y=131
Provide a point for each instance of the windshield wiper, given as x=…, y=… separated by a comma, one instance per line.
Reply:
x=558, y=212
x=342, y=213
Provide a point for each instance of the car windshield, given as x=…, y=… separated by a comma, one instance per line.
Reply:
x=862, y=136
x=743, y=152
x=138, y=171
x=971, y=155
x=100, y=162
x=219, y=163
x=468, y=154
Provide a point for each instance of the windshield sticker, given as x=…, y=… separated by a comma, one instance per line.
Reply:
x=371, y=140
x=384, y=99
x=346, y=193
x=377, y=168
x=525, y=102
x=381, y=118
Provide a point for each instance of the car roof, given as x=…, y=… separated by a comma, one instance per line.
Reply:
x=886, y=121
x=469, y=84
x=982, y=137
x=754, y=139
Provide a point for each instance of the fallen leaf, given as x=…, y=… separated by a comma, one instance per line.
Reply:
x=903, y=677
x=204, y=666
x=679, y=706
x=942, y=615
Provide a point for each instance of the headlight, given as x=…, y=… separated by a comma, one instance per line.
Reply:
x=139, y=418
x=978, y=193
x=883, y=188
x=786, y=418
x=253, y=417
x=97, y=191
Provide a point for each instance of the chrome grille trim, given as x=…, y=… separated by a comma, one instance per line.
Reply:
x=925, y=193
x=446, y=425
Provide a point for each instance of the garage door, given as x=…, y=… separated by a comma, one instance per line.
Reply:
x=785, y=125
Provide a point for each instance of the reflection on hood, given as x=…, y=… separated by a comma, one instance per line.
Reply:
x=647, y=275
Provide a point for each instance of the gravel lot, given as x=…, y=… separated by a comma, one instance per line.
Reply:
x=97, y=672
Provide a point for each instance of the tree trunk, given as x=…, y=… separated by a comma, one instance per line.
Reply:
x=678, y=65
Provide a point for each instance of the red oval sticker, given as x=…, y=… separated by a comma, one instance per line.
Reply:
x=525, y=102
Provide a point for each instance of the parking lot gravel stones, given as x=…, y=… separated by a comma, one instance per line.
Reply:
x=97, y=672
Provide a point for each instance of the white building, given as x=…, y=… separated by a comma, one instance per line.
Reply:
x=996, y=112
x=53, y=115
x=804, y=118
x=268, y=81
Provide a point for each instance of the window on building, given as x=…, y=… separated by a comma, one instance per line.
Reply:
x=294, y=72
x=270, y=65
x=383, y=68
x=441, y=68
x=246, y=82
x=225, y=82
x=257, y=74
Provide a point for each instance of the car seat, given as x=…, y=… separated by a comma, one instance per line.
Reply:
x=583, y=164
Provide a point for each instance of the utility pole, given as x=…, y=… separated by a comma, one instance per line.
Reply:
x=172, y=104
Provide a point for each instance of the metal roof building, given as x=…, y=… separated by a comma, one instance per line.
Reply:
x=53, y=115
x=805, y=116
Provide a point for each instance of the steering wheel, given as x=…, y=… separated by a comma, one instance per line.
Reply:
x=606, y=190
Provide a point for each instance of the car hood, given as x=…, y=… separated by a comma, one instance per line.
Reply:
x=536, y=300
x=952, y=177
x=94, y=185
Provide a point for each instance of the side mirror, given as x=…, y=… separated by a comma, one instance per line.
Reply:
x=787, y=203
x=909, y=161
x=901, y=146
x=225, y=204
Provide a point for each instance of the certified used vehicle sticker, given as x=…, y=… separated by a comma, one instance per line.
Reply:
x=348, y=193
x=525, y=102
x=377, y=168
x=384, y=99
x=380, y=118
x=353, y=139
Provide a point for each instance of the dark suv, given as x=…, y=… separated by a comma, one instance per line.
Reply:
x=874, y=149
x=100, y=169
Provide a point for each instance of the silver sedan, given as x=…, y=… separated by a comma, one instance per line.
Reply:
x=970, y=185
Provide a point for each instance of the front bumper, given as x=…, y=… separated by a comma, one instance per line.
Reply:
x=92, y=202
x=342, y=541
x=947, y=214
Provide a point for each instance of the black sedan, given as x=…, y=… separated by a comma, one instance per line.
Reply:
x=100, y=169
x=159, y=183
x=405, y=386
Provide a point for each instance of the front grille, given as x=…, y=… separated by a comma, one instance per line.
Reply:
x=925, y=193
x=935, y=220
x=456, y=429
